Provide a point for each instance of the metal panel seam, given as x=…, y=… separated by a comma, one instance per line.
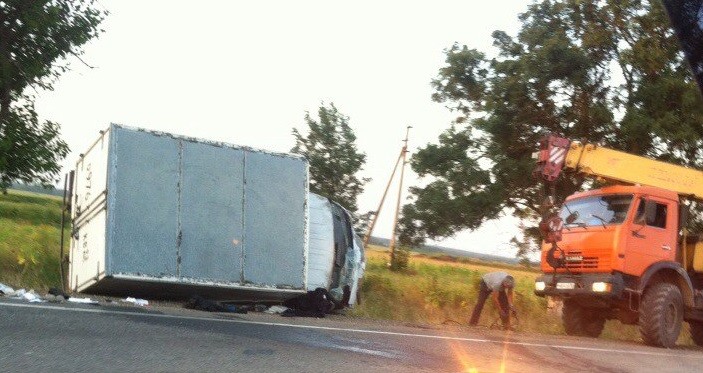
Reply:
x=179, y=221
x=244, y=215
x=110, y=198
x=306, y=214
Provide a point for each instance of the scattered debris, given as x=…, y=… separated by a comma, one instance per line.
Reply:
x=136, y=301
x=56, y=292
x=199, y=303
x=316, y=303
x=4, y=289
x=30, y=296
x=54, y=298
x=276, y=309
x=82, y=300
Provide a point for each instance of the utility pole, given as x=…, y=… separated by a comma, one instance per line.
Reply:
x=380, y=205
x=401, y=158
x=403, y=154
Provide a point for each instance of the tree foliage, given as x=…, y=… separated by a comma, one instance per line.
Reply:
x=609, y=72
x=333, y=156
x=29, y=151
x=36, y=37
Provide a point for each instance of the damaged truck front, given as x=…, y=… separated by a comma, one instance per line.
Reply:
x=163, y=216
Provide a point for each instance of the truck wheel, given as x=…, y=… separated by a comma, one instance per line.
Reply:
x=582, y=321
x=661, y=315
x=696, y=332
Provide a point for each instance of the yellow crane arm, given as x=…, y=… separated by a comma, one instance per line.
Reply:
x=597, y=161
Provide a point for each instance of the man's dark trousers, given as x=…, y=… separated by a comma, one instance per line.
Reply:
x=483, y=294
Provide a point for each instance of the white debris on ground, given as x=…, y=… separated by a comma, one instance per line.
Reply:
x=276, y=309
x=82, y=300
x=136, y=301
x=4, y=289
x=30, y=296
x=23, y=294
x=58, y=297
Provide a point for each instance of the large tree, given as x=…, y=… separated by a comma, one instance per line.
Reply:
x=334, y=158
x=609, y=72
x=36, y=39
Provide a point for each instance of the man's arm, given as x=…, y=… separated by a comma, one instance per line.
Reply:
x=510, y=299
x=494, y=295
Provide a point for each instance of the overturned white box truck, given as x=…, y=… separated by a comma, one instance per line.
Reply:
x=164, y=216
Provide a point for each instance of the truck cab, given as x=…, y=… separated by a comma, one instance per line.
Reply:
x=606, y=230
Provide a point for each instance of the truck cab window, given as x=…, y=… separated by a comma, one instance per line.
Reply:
x=597, y=210
x=659, y=218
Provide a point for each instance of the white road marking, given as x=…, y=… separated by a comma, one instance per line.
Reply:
x=364, y=351
x=364, y=331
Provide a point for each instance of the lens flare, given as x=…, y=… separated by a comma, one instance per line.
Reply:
x=464, y=359
x=503, y=358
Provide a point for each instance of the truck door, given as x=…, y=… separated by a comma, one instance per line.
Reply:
x=651, y=239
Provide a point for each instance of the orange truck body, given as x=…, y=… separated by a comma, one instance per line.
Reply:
x=622, y=251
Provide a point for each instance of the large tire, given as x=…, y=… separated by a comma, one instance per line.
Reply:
x=582, y=321
x=696, y=332
x=661, y=315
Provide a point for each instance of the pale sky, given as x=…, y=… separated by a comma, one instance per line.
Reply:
x=246, y=72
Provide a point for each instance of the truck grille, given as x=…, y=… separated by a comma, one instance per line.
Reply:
x=594, y=259
x=576, y=260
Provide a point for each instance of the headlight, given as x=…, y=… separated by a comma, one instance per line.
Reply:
x=600, y=287
x=540, y=285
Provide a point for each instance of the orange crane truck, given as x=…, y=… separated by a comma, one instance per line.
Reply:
x=622, y=251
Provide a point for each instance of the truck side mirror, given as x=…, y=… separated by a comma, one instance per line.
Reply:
x=572, y=217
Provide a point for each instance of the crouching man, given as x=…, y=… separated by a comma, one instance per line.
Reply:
x=500, y=285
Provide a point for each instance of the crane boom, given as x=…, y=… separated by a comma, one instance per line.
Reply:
x=601, y=162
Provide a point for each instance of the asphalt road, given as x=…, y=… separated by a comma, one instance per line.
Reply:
x=49, y=337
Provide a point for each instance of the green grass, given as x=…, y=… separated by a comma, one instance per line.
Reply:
x=439, y=291
x=30, y=240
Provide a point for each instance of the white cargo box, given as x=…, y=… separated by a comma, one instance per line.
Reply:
x=152, y=210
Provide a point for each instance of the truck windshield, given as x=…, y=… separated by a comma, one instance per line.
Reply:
x=597, y=210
